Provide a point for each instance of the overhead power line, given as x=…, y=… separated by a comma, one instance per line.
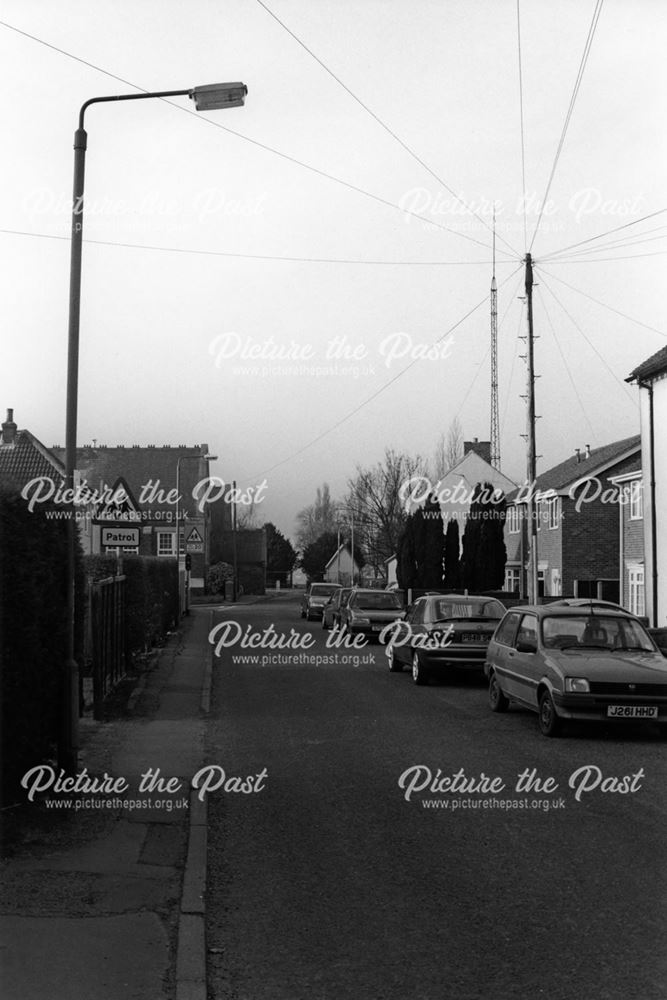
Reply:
x=608, y=232
x=257, y=256
x=255, y=142
x=568, y=116
x=378, y=392
x=604, y=305
x=379, y=121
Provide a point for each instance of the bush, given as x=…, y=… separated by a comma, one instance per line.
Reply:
x=217, y=576
x=33, y=634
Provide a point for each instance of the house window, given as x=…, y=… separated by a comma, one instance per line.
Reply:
x=553, y=513
x=512, y=579
x=636, y=500
x=513, y=520
x=636, y=590
x=166, y=543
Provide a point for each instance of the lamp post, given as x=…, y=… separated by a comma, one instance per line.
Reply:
x=208, y=98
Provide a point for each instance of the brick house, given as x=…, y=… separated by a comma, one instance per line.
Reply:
x=141, y=483
x=651, y=379
x=576, y=505
x=631, y=541
x=23, y=458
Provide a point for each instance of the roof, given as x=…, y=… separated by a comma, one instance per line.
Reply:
x=149, y=472
x=26, y=458
x=655, y=365
x=344, y=547
x=576, y=468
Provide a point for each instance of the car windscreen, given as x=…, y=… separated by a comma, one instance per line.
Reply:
x=443, y=609
x=381, y=601
x=323, y=590
x=595, y=631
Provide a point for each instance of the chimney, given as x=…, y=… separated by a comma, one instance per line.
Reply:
x=588, y=451
x=9, y=429
x=481, y=448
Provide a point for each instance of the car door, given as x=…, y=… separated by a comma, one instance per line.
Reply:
x=500, y=647
x=524, y=661
x=414, y=620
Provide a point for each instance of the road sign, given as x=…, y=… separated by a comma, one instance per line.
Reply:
x=194, y=547
x=194, y=536
x=127, y=538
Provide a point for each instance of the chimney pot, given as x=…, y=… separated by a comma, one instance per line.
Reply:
x=588, y=451
x=9, y=429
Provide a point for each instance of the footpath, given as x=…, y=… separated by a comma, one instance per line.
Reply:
x=104, y=898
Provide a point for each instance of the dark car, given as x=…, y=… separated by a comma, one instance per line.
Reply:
x=317, y=595
x=369, y=611
x=442, y=632
x=580, y=663
x=332, y=609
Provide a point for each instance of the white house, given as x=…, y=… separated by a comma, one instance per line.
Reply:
x=455, y=489
x=339, y=567
x=651, y=378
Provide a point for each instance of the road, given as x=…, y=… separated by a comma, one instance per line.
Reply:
x=327, y=883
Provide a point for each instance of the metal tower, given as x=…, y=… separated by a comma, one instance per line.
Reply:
x=495, y=431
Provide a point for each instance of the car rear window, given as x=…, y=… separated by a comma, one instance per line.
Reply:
x=380, y=601
x=468, y=609
x=323, y=590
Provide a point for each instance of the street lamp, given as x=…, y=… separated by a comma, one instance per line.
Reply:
x=208, y=98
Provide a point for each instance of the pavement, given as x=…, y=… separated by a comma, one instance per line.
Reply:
x=104, y=898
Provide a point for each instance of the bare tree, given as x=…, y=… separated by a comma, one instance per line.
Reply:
x=376, y=503
x=317, y=518
x=448, y=450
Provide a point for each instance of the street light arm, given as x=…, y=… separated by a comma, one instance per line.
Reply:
x=130, y=97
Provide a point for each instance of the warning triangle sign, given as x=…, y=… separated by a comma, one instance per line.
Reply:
x=194, y=536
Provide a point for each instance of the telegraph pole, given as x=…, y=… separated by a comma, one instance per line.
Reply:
x=533, y=590
x=495, y=423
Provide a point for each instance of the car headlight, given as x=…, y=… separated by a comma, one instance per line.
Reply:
x=577, y=685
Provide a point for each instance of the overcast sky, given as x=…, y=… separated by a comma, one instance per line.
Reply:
x=189, y=212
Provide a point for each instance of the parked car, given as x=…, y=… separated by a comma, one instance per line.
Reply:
x=332, y=609
x=368, y=611
x=444, y=631
x=315, y=598
x=566, y=662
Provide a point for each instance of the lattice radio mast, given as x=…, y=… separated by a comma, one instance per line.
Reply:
x=495, y=431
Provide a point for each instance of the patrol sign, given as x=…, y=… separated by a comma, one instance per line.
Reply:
x=120, y=537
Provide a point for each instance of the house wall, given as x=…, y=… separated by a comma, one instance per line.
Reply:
x=659, y=521
x=591, y=533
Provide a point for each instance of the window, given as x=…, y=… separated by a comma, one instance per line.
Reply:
x=636, y=590
x=513, y=520
x=507, y=628
x=166, y=543
x=553, y=513
x=527, y=630
x=636, y=500
x=512, y=578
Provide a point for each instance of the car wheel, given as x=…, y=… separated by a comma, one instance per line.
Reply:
x=498, y=701
x=419, y=673
x=395, y=664
x=550, y=723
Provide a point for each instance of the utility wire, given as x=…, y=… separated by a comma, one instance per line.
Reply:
x=573, y=99
x=256, y=256
x=567, y=367
x=620, y=243
x=608, y=232
x=597, y=260
x=379, y=121
x=590, y=344
x=374, y=395
x=254, y=142
x=523, y=141
x=600, y=303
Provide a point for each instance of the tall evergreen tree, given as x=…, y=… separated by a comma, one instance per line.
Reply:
x=484, y=555
x=431, y=569
x=452, y=555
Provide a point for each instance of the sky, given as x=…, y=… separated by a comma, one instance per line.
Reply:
x=303, y=282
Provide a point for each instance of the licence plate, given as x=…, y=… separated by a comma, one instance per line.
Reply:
x=469, y=637
x=632, y=711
